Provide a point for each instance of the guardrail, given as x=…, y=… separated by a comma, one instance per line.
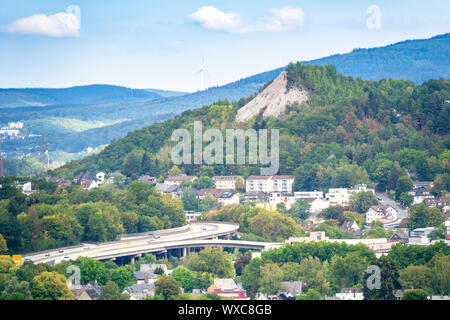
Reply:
x=154, y=233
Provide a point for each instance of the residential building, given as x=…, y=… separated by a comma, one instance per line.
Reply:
x=277, y=198
x=442, y=203
x=229, y=198
x=420, y=236
x=342, y=196
x=152, y=267
x=338, y=197
x=215, y=193
x=192, y=215
x=145, y=277
x=400, y=237
x=140, y=291
x=177, y=180
x=226, y=182
x=228, y=288
x=313, y=237
x=351, y=226
x=318, y=205
x=87, y=292
x=269, y=184
x=301, y=195
x=384, y=214
x=290, y=290
x=89, y=184
x=147, y=179
x=421, y=194
x=253, y=196
x=350, y=294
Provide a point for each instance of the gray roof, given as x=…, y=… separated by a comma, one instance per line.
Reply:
x=139, y=288
x=140, y=275
x=294, y=287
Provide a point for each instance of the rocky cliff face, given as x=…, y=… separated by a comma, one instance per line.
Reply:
x=274, y=98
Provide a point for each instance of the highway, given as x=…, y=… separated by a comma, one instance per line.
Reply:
x=139, y=245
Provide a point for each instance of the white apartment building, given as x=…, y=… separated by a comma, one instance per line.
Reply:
x=229, y=198
x=341, y=196
x=100, y=177
x=269, y=184
x=381, y=213
x=308, y=195
x=226, y=182
x=177, y=180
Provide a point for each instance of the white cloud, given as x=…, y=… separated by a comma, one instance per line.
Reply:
x=278, y=20
x=212, y=18
x=61, y=24
x=285, y=19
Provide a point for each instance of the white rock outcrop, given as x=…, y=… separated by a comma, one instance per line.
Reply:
x=275, y=97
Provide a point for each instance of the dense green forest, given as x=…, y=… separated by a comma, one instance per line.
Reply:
x=350, y=131
x=55, y=217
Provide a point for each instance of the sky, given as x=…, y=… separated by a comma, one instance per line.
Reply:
x=165, y=44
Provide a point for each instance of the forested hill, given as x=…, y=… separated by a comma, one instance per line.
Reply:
x=350, y=131
x=414, y=60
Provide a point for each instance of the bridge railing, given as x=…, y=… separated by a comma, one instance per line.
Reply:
x=155, y=232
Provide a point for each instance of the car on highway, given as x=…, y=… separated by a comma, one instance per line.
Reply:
x=86, y=248
x=157, y=237
x=47, y=254
x=66, y=257
x=203, y=227
x=151, y=240
x=379, y=199
x=60, y=250
x=128, y=243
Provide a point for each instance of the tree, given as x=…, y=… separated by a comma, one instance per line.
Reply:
x=168, y=287
x=362, y=201
x=311, y=294
x=190, y=201
x=50, y=285
x=421, y=217
x=211, y=260
x=414, y=277
x=348, y=271
x=418, y=216
x=240, y=264
x=406, y=199
x=111, y=291
x=439, y=275
x=3, y=246
x=271, y=276
x=185, y=277
x=204, y=183
x=417, y=294
x=132, y=164
x=174, y=171
x=312, y=273
x=14, y=286
x=209, y=203
x=404, y=184
x=123, y=277
x=388, y=280
x=91, y=270
x=251, y=277
x=300, y=210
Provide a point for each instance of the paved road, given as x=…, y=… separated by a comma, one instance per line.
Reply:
x=196, y=231
x=385, y=199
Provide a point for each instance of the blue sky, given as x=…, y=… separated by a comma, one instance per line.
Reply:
x=162, y=44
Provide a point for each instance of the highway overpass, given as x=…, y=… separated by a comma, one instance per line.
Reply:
x=195, y=235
